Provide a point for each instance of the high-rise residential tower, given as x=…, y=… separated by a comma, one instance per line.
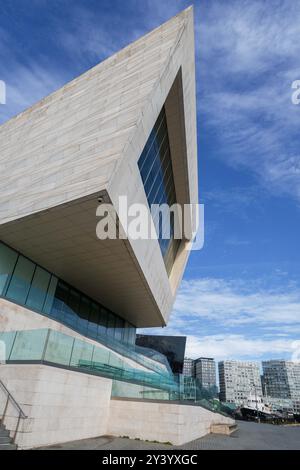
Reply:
x=282, y=380
x=238, y=380
x=188, y=367
x=205, y=372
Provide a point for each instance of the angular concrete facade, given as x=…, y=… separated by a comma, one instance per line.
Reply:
x=69, y=302
x=84, y=140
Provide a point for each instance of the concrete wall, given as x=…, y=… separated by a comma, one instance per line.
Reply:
x=61, y=405
x=101, y=121
x=88, y=121
x=163, y=422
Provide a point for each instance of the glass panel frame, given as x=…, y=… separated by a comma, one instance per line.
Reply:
x=8, y=260
x=21, y=278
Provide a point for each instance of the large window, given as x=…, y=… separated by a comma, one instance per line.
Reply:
x=26, y=283
x=155, y=166
x=8, y=260
x=20, y=282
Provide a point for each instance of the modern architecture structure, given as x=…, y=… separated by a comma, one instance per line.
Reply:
x=205, y=372
x=71, y=302
x=238, y=380
x=281, y=379
x=188, y=367
x=172, y=347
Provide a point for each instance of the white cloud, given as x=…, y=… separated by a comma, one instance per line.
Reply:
x=84, y=37
x=254, y=321
x=233, y=346
x=247, y=61
x=236, y=302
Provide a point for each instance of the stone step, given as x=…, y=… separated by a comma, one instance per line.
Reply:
x=223, y=428
x=5, y=439
x=6, y=442
x=8, y=446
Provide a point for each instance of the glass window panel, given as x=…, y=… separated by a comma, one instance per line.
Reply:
x=131, y=336
x=155, y=165
x=71, y=308
x=100, y=356
x=111, y=324
x=82, y=354
x=126, y=332
x=60, y=297
x=50, y=295
x=102, y=322
x=7, y=338
x=144, y=159
x=8, y=258
x=29, y=345
x=59, y=348
x=92, y=329
x=20, y=283
x=115, y=361
x=38, y=289
x=83, y=315
x=119, y=328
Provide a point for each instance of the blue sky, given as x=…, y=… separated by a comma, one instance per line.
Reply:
x=240, y=295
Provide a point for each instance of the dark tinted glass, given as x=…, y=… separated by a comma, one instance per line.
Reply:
x=155, y=166
x=21, y=280
x=26, y=283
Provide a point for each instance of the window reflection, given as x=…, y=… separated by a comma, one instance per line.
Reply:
x=23, y=282
x=155, y=166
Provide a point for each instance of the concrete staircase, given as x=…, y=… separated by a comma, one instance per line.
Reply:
x=6, y=442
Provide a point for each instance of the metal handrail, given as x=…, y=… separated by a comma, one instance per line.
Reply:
x=21, y=413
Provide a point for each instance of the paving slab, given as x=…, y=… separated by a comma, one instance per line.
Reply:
x=249, y=436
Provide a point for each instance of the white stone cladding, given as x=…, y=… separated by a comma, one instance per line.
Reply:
x=60, y=405
x=163, y=422
x=63, y=405
x=86, y=139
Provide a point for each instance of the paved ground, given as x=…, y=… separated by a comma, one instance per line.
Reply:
x=249, y=436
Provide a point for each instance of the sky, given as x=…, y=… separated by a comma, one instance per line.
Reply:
x=240, y=296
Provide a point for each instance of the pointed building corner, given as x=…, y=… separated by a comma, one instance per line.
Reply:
x=87, y=139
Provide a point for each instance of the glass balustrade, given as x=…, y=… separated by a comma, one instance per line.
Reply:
x=46, y=346
x=53, y=347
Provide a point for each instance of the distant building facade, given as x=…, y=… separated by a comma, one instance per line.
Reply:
x=205, y=372
x=238, y=380
x=282, y=380
x=188, y=367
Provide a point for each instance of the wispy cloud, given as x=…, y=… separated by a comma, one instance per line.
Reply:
x=248, y=59
x=26, y=86
x=80, y=37
x=237, y=199
x=240, y=347
x=27, y=81
x=237, y=318
x=235, y=302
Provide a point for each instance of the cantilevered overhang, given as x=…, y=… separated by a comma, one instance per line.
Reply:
x=85, y=140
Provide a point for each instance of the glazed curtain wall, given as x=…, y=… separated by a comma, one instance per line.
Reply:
x=155, y=166
x=24, y=282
